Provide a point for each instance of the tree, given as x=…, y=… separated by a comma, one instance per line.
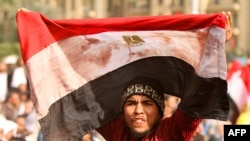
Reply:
x=7, y=18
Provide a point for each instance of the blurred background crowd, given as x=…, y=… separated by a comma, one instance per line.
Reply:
x=17, y=115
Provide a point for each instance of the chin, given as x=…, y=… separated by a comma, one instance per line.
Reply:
x=139, y=133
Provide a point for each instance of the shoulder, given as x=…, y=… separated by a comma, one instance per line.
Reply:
x=112, y=129
x=180, y=120
x=117, y=122
x=179, y=126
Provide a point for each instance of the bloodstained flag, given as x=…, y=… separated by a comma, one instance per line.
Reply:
x=77, y=68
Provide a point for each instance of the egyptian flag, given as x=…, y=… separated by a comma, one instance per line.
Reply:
x=77, y=68
x=238, y=84
x=239, y=92
x=236, y=90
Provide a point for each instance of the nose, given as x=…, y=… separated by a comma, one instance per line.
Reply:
x=138, y=108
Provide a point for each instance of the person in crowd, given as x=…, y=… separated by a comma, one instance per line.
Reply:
x=7, y=127
x=22, y=113
x=216, y=129
x=22, y=132
x=31, y=122
x=142, y=112
x=10, y=61
x=11, y=107
x=3, y=81
x=19, y=77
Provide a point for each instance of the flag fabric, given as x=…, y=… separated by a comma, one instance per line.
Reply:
x=233, y=67
x=245, y=75
x=236, y=90
x=238, y=84
x=77, y=68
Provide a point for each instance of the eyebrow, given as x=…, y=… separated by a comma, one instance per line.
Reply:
x=143, y=100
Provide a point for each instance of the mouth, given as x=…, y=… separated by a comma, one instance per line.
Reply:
x=138, y=121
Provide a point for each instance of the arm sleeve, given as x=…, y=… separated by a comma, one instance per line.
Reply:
x=187, y=124
x=180, y=126
x=108, y=130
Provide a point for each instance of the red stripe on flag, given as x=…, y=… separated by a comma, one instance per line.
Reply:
x=245, y=75
x=34, y=38
x=235, y=67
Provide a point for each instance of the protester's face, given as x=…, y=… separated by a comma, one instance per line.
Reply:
x=141, y=114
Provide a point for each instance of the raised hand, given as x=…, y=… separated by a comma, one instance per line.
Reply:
x=229, y=25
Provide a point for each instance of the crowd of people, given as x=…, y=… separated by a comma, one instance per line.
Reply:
x=17, y=115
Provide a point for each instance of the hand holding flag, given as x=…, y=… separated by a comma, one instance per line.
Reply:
x=229, y=25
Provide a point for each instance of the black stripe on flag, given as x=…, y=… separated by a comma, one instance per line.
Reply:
x=99, y=101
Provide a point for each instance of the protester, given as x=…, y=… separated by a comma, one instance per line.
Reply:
x=143, y=109
x=142, y=112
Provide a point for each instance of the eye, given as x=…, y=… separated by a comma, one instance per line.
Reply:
x=130, y=102
x=148, y=102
